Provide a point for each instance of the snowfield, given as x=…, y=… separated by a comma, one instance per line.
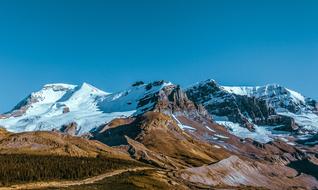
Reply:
x=261, y=134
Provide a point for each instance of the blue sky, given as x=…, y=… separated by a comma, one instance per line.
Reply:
x=110, y=44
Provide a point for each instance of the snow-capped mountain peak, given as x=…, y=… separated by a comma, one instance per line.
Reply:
x=277, y=96
x=92, y=89
x=59, y=104
x=49, y=93
x=55, y=105
x=59, y=92
x=130, y=99
x=267, y=90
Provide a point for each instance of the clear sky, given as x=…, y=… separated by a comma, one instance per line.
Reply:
x=110, y=44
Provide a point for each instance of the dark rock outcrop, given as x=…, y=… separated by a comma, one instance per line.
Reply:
x=285, y=123
x=70, y=129
x=312, y=103
x=66, y=110
x=238, y=108
x=172, y=99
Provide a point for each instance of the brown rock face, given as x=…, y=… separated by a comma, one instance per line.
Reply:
x=173, y=100
x=196, y=157
x=160, y=135
x=3, y=132
x=235, y=172
x=141, y=153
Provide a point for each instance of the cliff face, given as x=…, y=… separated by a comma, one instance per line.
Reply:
x=239, y=108
x=172, y=99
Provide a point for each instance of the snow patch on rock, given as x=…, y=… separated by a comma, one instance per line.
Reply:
x=260, y=134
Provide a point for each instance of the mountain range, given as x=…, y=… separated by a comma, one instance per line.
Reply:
x=200, y=137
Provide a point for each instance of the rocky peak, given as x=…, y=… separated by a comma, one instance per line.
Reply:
x=58, y=87
x=240, y=104
x=164, y=97
x=171, y=99
x=202, y=92
x=279, y=97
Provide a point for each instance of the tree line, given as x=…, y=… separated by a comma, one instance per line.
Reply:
x=20, y=168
